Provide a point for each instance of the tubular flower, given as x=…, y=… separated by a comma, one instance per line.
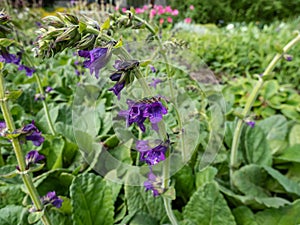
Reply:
x=122, y=75
x=32, y=134
x=139, y=111
x=154, y=184
x=53, y=199
x=33, y=157
x=150, y=155
x=97, y=58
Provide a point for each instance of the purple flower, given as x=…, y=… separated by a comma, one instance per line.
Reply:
x=250, y=123
x=155, y=111
x=33, y=157
x=117, y=88
x=51, y=198
x=96, y=59
x=122, y=75
x=39, y=97
x=10, y=58
x=152, y=68
x=33, y=134
x=155, y=82
x=150, y=155
x=48, y=89
x=139, y=111
x=2, y=128
x=288, y=58
x=154, y=184
x=29, y=71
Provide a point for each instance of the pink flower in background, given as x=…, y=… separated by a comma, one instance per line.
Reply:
x=124, y=10
x=170, y=20
x=145, y=7
x=139, y=11
x=175, y=12
x=152, y=13
x=192, y=7
x=188, y=20
x=168, y=9
x=161, y=21
x=117, y=8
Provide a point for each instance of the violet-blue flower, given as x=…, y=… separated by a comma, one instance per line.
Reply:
x=139, y=111
x=29, y=71
x=52, y=198
x=32, y=134
x=154, y=184
x=152, y=68
x=250, y=123
x=154, y=155
x=2, y=128
x=33, y=157
x=97, y=58
x=155, y=82
x=48, y=89
x=10, y=58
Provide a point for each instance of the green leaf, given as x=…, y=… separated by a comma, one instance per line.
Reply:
x=184, y=182
x=270, y=89
x=289, y=185
x=53, y=149
x=253, y=202
x=9, y=169
x=256, y=147
x=35, y=216
x=288, y=215
x=10, y=215
x=138, y=200
x=208, y=206
x=244, y=216
x=294, y=137
x=275, y=128
x=205, y=176
x=5, y=42
x=291, y=154
x=91, y=200
x=57, y=218
x=250, y=180
x=142, y=218
x=11, y=194
x=13, y=95
x=106, y=24
x=82, y=26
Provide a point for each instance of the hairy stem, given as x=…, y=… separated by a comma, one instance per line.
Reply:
x=237, y=133
x=26, y=177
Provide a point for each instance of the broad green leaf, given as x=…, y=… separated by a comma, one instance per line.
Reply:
x=9, y=169
x=142, y=218
x=250, y=180
x=35, y=217
x=256, y=147
x=184, y=182
x=288, y=215
x=13, y=95
x=138, y=200
x=205, y=176
x=11, y=215
x=289, y=185
x=53, y=149
x=290, y=112
x=208, y=205
x=244, y=216
x=91, y=200
x=253, y=202
x=11, y=194
x=294, y=137
x=5, y=42
x=291, y=154
x=82, y=26
x=270, y=89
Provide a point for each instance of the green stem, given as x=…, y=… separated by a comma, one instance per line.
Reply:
x=238, y=130
x=48, y=118
x=27, y=179
x=166, y=169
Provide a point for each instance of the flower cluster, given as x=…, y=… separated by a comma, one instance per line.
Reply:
x=154, y=184
x=122, y=75
x=33, y=157
x=139, y=111
x=52, y=199
x=6, y=57
x=30, y=133
x=97, y=58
